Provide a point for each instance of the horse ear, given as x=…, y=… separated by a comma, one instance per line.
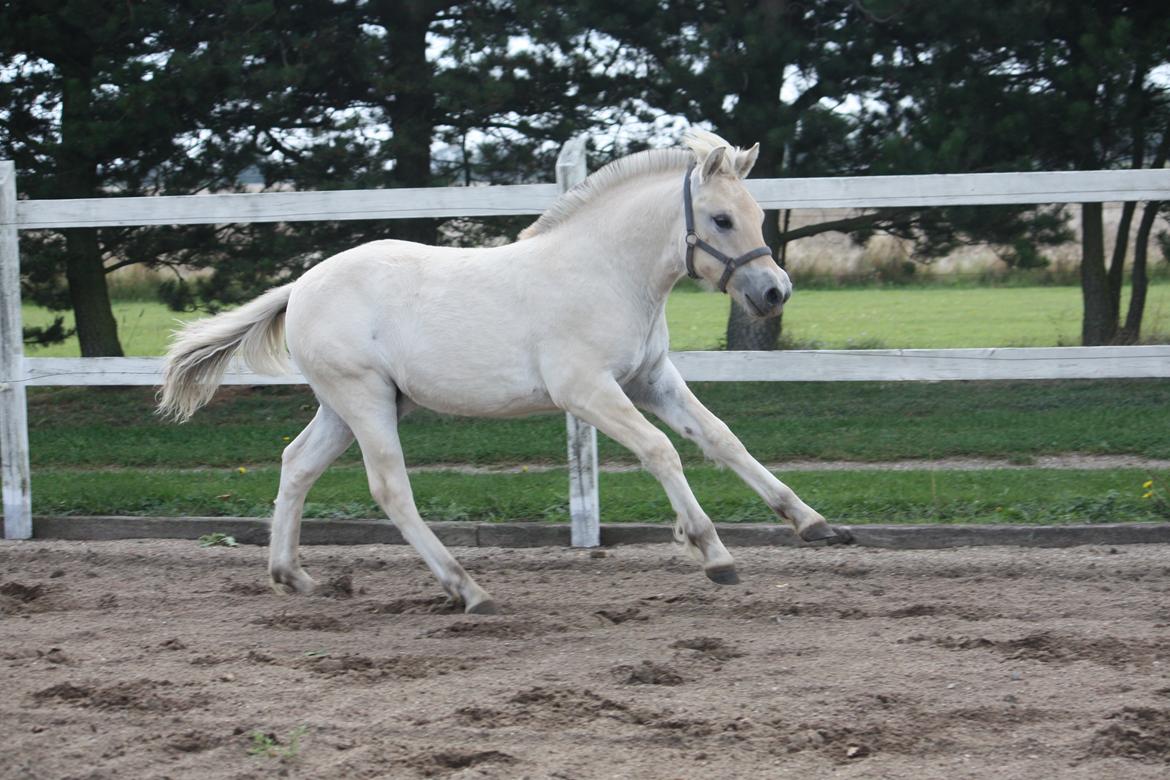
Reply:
x=745, y=160
x=714, y=161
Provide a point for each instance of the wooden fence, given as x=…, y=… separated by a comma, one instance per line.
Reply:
x=18, y=372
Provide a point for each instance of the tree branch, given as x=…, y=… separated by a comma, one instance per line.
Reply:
x=846, y=225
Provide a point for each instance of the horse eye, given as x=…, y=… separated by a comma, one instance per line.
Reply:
x=722, y=221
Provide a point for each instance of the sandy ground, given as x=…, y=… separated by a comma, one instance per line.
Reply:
x=162, y=659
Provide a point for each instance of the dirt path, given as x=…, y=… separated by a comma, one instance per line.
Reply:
x=1070, y=460
x=161, y=659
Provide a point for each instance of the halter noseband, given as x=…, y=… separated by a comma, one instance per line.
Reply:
x=730, y=264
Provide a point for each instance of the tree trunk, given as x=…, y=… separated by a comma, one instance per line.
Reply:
x=97, y=330
x=744, y=331
x=1132, y=330
x=1099, y=325
x=1120, y=250
x=412, y=110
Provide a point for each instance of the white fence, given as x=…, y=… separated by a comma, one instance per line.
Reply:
x=18, y=372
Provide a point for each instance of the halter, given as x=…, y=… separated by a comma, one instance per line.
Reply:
x=730, y=264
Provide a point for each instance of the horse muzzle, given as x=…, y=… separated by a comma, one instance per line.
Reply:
x=762, y=292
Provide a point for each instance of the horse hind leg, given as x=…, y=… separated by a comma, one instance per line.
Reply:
x=373, y=416
x=390, y=487
x=304, y=460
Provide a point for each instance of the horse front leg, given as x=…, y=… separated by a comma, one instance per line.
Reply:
x=605, y=406
x=669, y=399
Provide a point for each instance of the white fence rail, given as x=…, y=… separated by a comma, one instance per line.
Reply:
x=18, y=372
x=822, y=365
x=287, y=206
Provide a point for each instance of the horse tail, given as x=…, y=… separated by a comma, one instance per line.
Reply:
x=201, y=350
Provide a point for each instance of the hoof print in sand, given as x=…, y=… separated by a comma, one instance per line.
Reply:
x=301, y=622
x=647, y=673
x=1141, y=733
x=710, y=647
x=444, y=762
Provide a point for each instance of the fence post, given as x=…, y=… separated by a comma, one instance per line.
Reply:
x=13, y=409
x=584, y=501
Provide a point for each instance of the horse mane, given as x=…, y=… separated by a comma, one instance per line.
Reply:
x=698, y=142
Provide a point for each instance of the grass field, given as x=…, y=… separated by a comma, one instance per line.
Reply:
x=103, y=452
x=862, y=421
x=913, y=317
x=922, y=317
x=1017, y=496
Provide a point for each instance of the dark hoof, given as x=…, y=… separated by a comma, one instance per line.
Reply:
x=485, y=607
x=722, y=575
x=823, y=532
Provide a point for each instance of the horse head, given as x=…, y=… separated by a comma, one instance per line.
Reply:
x=724, y=240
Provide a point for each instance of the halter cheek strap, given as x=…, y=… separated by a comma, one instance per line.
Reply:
x=730, y=264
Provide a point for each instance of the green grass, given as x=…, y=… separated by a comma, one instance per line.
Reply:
x=1024, y=495
x=144, y=328
x=868, y=421
x=102, y=451
x=910, y=317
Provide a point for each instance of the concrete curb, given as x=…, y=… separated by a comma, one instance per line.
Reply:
x=467, y=534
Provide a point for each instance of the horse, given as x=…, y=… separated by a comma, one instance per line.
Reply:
x=570, y=316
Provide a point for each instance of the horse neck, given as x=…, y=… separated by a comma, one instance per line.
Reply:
x=635, y=231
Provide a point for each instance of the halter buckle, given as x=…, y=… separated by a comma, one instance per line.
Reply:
x=692, y=239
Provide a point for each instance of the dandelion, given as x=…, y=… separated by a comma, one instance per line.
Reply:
x=286, y=438
x=1149, y=494
x=1149, y=483
x=241, y=470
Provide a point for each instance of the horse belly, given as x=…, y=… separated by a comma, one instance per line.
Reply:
x=479, y=395
x=476, y=374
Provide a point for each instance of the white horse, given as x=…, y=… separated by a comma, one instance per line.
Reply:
x=570, y=317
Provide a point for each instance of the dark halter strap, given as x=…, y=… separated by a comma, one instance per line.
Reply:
x=730, y=264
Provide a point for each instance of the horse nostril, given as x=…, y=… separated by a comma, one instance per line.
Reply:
x=787, y=295
x=773, y=297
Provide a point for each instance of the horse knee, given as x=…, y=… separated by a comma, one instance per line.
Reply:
x=717, y=442
x=660, y=457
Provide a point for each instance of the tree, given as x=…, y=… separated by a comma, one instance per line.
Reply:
x=417, y=77
x=1036, y=85
x=780, y=72
x=758, y=70
x=151, y=97
x=125, y=98
x=934, y=87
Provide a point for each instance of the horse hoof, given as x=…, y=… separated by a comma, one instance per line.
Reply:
x=821, y=531
x=292, y=584
x=722, y=575
x=485, y=607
